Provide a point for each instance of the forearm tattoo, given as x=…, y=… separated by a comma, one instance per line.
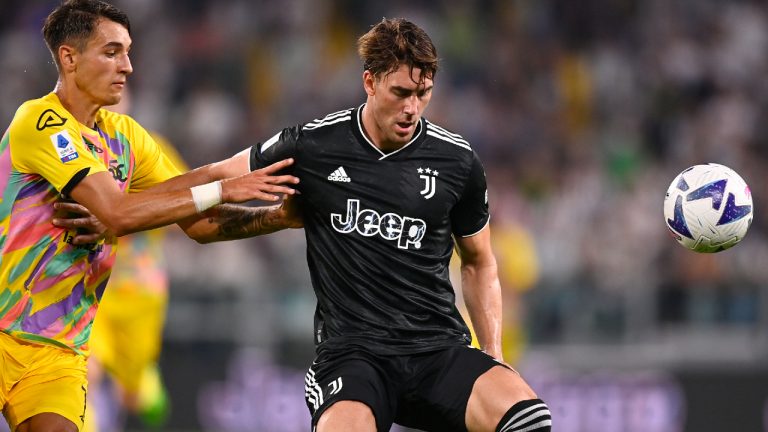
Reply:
x=237, y=222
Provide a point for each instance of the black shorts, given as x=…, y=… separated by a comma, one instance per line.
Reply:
x=427, y=391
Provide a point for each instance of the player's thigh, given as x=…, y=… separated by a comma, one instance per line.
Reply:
x=493, y=394
x=52, y=390
x=47, y=422
x=440, y=388
x=14, y=358
x=355, y=378
x=347, y=415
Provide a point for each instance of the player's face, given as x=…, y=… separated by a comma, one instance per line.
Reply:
x=394, y=106
x=103, y=65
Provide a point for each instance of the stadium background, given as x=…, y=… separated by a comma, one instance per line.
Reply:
x=583, y=112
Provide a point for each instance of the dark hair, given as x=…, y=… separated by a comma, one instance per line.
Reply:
x=74, y=21
x=397, y=41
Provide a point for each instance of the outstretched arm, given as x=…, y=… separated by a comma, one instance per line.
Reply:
x=220, y=223
x=482, y=290
x=232, y=222
x=173, y=200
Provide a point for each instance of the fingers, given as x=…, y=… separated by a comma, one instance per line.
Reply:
x=88, y=229
x=268, y=179
x=85, y=225
x=274, y=186
x=275, y=167
x=71, y=207
x=267, y=193
x=283, y=179
x=81, y=239
x=71, y=223
x=260, y=184
x=269, y=197
x=279, y=189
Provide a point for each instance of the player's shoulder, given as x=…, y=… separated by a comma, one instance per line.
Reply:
x=329, y=121
x=320, y=132
x=118, y=121
x=442, y=135
x=41, y=114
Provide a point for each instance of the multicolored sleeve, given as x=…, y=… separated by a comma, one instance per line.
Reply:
x=153, y=165
x=46, y=142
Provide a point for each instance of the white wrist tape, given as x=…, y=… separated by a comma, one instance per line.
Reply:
x=206, y=196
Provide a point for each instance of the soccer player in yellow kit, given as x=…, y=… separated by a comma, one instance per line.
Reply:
x=126, y=338
x=64, y=145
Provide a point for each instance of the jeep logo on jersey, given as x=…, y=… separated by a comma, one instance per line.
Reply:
x=405, y=230
x=429, y=182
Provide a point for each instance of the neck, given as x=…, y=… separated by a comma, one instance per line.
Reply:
x=371, y=130
x=80, y=106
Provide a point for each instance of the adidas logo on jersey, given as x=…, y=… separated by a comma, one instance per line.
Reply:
x=339, y=176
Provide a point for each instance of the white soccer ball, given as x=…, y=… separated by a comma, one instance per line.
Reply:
x=708, y=208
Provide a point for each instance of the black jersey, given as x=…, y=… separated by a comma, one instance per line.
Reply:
x=379, y=230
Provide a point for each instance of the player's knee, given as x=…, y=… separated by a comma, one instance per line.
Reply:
x=530, y=415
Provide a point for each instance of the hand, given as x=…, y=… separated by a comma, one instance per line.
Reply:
x=261, y=184
x=76, y=217
x=290, y=211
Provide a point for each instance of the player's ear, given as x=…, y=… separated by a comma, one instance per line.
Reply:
x=67, y=58
x=369, y=81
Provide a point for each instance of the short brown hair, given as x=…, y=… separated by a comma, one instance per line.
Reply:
x=74, y=21
x=397, y=41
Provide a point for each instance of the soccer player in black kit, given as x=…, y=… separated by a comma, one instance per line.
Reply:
x=385, y=197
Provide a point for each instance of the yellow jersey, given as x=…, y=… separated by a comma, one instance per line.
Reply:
x=49, y=288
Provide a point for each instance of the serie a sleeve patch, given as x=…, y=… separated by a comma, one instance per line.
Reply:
x=64, y=145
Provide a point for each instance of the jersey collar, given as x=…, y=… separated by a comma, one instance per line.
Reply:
x=359, y=126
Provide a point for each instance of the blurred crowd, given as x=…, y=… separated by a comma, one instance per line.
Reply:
x=583, y=113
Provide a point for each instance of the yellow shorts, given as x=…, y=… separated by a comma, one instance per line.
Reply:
x=127, y=335
x=36, y=379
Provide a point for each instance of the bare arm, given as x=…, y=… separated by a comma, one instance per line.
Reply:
x=172, y=201
x=231, y=222
x=482, y=290
x=220, y=223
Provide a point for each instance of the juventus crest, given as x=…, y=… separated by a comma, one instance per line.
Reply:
x=429, y=176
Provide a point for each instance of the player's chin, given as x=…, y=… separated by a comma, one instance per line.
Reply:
x=401, y=139
x=113, y=98
x=402, y=135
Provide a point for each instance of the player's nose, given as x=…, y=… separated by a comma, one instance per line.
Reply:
x=411, y=106
x=125, y=66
